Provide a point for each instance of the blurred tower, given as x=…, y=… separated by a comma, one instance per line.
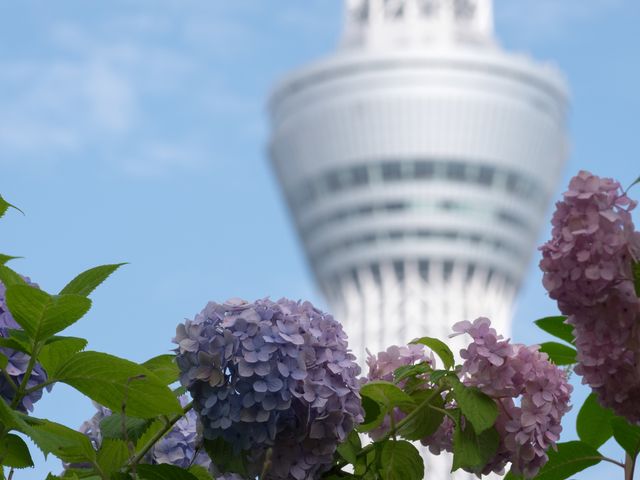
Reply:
x=418, y=162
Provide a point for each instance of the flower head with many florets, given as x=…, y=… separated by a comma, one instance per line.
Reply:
x=587, y=267
x=17, y=361
x=272, y=376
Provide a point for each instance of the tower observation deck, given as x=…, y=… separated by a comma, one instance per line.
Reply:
x=418, y=162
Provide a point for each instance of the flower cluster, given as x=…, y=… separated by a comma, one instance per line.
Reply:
x=382, y=367
x=587, y=267
x=17, y=362
x=180, y=446
x=532, y=395
x=271, y=376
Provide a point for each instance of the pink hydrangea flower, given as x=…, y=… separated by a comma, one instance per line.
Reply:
x=587, y=267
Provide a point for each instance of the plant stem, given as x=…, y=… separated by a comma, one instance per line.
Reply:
x=161, y=433
x=40, y=386
x=607, y=459
x=629, y=467
x=27, y=374
x=10, y=380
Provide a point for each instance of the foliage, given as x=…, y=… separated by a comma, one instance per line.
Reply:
x=496, y=406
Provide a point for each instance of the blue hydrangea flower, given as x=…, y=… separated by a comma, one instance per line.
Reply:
x=18, y=361
x=272, y=375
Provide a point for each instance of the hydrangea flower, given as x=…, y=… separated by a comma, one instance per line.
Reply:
x=587, y=269
x=384, y=364
x=179, y=447
x=272, y=375
x=18, y=361
x=531, y=393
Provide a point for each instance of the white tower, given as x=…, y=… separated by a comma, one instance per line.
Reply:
x=418, y=162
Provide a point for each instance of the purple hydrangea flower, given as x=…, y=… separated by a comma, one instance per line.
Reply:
x=531, y=393
x=384, y=364
x=18, y=361
x=272, y=376
x=587, y=269
x=179, y=447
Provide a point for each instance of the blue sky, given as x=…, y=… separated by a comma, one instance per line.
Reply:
x=136, y=131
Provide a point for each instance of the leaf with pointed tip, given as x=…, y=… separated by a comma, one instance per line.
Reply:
x=200, y=472
x=627, y=435
x=163, y=471
x=111, y=456
x=477, y=407
x=8, y=277
x=4, y=206
x=131, y=429
x=636, y=182
x=6, y=258
x=387, y=395
x=557, y=327
x=65, y=443
x=350, y=448
x=400, y=460
x=440, y=348
x=558, y=353
x=472, y=451
x=88, y=281
x=427, y=416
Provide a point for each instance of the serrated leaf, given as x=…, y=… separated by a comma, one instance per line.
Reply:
x=163, y=472
x=59, y=350
x=350, y=448
x=425, y=419
x=42, y=315
x=132, y=430
x=63, y=442
x=569, y=459
x=557, y=327
x=387, y=395
x=478, y=408
x=112, y=456
x=472, y=451
x=111, y=380
x=400, y=460
x=594, y=422
x=164, y=367
x=407, y=371
x=224, y=457
x=88, y=281
x=439, y=348
x=154, y=428
x=558, y=353
x=9, y=278
x=4, y=206
x=14, y=452
x=627, y=435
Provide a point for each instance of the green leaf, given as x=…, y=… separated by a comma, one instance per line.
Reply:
x=57, y=351
x=373, y=415
x=635, y=266
x=558, y=353
x=9, y=278
x=66, y=444
x=42, y=315
x=4, y=361
x=440, y=348
x=478, y=408
x=387, y=395
x=350, y=448
x=164, y=367
x=223, y=456
x=132, y=430
x=627, y=435
x=113, y=381
x=557, y=327
x=6, y=258
x=112, y=456
x=4, y=206
x=472, y=451
x=512, y=476
x=594, y=422
x=400, y=460
x=14, y=452
x=425, y=419
x=88, y=281
x=569, y=459
x=200, y=472
x=407, y=371
x=636, y=182
x=163, y=472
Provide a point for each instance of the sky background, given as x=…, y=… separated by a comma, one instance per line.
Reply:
x=136, y=131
